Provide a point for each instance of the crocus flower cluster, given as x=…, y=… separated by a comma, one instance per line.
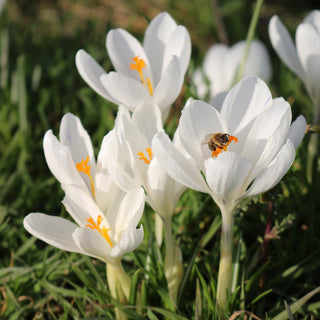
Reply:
x=240, y=149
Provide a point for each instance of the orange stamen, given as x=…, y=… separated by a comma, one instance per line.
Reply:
x=224, y=148
x=83, y=167
x=103, y=231
x=144, y=158
x=138, y=66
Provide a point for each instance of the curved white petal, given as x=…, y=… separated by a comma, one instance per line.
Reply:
x=163, y=191
x=156, y=36
x=179, y=45
x=91, y=72
x=122, y=47
x=258, y=61
x=176, y=164
x=199, y=81
x=297, y=131
x=226, y=175
x=244, y=102
x=127, y=91
x=198, y=120
x=313, y=18
x=81, y=205
x=284, y=46
x=308, y=47
x=73, y=135
x=60, y=162
x=92, y=243
x=130, y=240
x=268, y=131
x=147, y=118
x=169, y=86
x=273, y=173
x=214, y=67
x=53, y=230
x=130, y=211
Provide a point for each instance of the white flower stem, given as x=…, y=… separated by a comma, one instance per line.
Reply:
x=119, y=285
x=225, y=264
x=173, y=260
x=158, y=229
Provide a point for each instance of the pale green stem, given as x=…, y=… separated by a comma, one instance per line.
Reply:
x=313, y=147
x=119, y=285
x=250, y=35
x=173, y=260
x=225, y=264
x=158, y=229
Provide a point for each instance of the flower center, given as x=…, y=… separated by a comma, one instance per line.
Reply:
x=138, y=65
x=83, y=167
x=144, y=158
x=103, y=231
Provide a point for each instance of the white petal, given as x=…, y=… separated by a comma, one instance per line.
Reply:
x=169, y=86
x=156, y=36
x=176, y=164
x=91, y=72
x=297, y=131
x=244, y=102
x=218, y=100
x=127, y=91
x=92, y=243
x=258, y=61
x=200, y=84
x=147, y=118
x=273, y=173
x=130, y=240
x=164, y=192
x=284, y=46
x=73, y=135
x=122, y=47
x=214, y=67
x=226, y=175
x=130, y=211
x=313, y=18
x=60, y=162
x=308, y=46
x=272, y=123
x=198, y=120
x=179, y=45
x=81, y=205
x=53, y=230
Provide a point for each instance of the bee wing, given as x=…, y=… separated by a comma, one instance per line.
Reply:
x=207, y=138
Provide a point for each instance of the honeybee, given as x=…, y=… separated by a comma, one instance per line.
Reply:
x=218, y=142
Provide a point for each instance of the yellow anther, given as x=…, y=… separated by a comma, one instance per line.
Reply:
x=104, y=232
x=138, y=65
x=143, y=157
x=83, y=167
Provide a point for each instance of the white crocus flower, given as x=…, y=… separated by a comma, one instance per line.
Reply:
x=222, y=62
x=255, y=151
x=131, y=164
x=303, y=58
x=152, y=72
x=105, y=216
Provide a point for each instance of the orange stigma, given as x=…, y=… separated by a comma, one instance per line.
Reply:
x=104, y=232
x=83, y=167
x=221, y=148
x=144, y=158
x=138, y=65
